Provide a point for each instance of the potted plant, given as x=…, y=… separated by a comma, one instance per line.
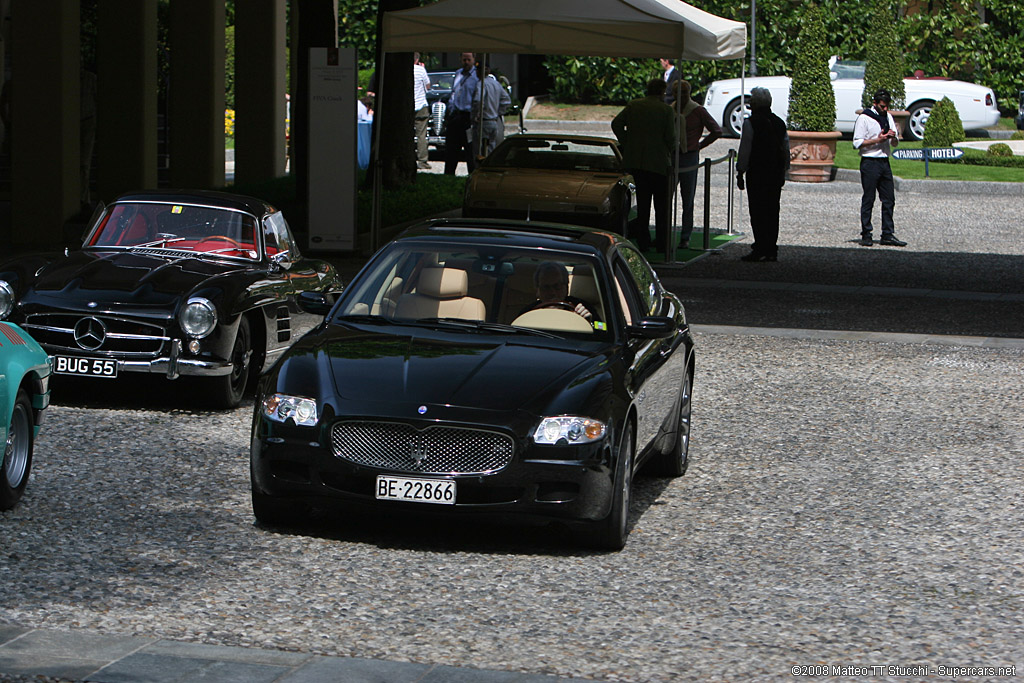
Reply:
x=812, y=105
x=885, y=65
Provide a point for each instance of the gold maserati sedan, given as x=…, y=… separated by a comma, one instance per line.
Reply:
x=574, y=179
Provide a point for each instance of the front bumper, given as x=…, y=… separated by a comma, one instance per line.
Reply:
x=300, y=469
x=172, y=366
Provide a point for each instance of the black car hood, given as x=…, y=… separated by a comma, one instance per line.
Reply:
x=120, y=277
x=486, y=372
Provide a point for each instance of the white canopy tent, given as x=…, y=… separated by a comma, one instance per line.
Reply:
x=598, y=28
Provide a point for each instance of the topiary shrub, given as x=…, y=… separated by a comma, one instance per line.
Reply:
x=884, y=68
x=812, y=101
x=944, y=126
x=1000, y=149
x=599, y=80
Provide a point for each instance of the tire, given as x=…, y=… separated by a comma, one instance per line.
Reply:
x=673, y=462
x=919, y=114
x=732, y=121
x=17, y=460
x=227, y=390
x=611, y=532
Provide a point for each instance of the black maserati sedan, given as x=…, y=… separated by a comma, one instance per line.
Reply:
x=481, y=366
x=202, y=284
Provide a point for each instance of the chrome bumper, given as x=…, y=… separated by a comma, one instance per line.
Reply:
x=173, y=365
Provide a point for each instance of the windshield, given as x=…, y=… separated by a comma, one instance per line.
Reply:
x=555, y=154
x=562, y=293
x=178, y=227
x=441, y=80
x=848, y=68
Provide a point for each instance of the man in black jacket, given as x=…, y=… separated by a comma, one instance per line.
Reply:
x=764, y=159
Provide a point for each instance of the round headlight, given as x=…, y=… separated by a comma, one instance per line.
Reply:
x=198, y=317
x=6, y=299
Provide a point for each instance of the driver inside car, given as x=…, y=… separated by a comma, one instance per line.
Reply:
x=552, y=281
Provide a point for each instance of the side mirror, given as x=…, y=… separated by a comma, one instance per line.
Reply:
x=654, y=327
x=281, y=259
x=316, y=303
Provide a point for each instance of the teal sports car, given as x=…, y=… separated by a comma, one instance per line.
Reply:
x=24, y=396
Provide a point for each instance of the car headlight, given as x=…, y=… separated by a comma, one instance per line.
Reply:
x=568, y=429
x=281, y=408
x=198, y=317
x=6, y=299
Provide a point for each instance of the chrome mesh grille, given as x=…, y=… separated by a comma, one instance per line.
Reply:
x=435, y=450
x=437, y=112
x=121, y=338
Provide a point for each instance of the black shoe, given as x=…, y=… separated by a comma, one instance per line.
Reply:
x=754, y=256
x=865, y=242
x=891, y=242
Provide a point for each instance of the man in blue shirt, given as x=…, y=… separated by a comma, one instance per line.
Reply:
x=458, y=117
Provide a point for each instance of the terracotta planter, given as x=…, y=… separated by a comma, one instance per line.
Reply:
x=811, y=156
x=900, y=116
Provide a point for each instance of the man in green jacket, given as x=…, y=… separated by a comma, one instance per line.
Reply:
x=646, y=132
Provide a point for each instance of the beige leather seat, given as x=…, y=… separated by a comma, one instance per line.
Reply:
x=441, y=293
x=582, y=285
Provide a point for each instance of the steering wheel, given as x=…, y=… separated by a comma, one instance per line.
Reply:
x=233, y=244
x=559, y=305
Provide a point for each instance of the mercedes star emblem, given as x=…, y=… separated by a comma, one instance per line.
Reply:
x=90, y=333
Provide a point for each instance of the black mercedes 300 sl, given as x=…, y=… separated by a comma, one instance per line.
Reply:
x=482, y=366
x=201, y=284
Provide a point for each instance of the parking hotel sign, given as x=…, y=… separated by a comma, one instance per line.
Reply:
x=926, y=153
x=932, y=152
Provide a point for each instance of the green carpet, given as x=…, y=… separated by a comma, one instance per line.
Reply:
x=718, y=240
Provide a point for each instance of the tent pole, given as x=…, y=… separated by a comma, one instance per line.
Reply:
x=378, y=166
x=478, y=139
x=673, y=184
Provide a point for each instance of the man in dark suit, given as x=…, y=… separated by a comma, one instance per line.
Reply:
x=671, y=76
x=764, y=159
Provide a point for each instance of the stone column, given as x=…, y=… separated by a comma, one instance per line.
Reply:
x=127, y=96
x=259, y=90
x=196, y=93
x=44, y=124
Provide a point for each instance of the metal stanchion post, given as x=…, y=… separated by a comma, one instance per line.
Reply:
x=707, y=204
x=732, y=173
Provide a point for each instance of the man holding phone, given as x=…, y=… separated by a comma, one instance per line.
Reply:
x=874, y=135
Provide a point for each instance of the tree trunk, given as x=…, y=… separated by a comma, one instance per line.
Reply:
x=394, y=111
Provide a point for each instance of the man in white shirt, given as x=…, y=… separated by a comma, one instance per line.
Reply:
x=421, y=115
x=488, y=124
x=874, y=134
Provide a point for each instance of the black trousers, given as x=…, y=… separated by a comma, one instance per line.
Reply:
x=876, y=177
x=650, y=188
x=764, y=196
x=457, y=146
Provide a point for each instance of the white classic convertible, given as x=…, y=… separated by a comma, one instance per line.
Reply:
x=976, y=104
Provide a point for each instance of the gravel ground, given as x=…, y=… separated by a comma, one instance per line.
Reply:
x=849, y=503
